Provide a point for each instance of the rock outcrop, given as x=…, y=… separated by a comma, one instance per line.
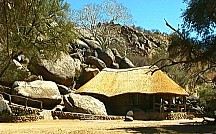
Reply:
x=88, y=73
x=45, y=91
x=96, y=62
x=84, y=104
x=126, y=63
x=4, y=107
x=107, y=56
x=64, y=90
x=142, y=42
x=62, y=70
x=91, y=43
x=81, y=44
x=5, y=89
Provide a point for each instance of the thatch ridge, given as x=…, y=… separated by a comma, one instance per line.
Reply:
x=111, y=82
x=130, y=69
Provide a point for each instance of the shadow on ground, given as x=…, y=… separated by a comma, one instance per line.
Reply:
x=181, y=128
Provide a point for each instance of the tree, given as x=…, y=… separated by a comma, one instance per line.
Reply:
x=200, y=16
x=97, y=19
x=116, y=13
x=196, y=54
x=109, y=11
x=34, y=28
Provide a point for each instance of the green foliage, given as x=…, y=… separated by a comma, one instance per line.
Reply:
x=196, y=54
x=109, y=36
x=206, y=95
x=5, y=112
x=13, y=74
x=34, y=27
x=200, y=16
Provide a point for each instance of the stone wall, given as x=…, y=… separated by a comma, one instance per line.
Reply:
x=180, y=115
x=22, y=114
x=164, y=116
x=81, y=116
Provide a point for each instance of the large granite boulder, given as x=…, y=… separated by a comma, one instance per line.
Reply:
x=78, y=67
x=126, y=63
x=62, y=70
x=115, y=65
x=4, y=107
x=118, y=57
x=64, y=90
x=5, y=89
x=45, y=91
x=77, y=55
x=95, y=61
x=107, y=56
x=88, y=74
x=91, y=43
x=84, y=104
x=81, y=44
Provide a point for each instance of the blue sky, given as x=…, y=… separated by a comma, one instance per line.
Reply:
x=148, y=14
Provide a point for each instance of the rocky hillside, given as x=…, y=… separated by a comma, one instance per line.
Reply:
x=88, y=56
x=143, y=43
x=53, y=82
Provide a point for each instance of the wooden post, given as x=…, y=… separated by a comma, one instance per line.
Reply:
x=178, y=107
x=161, y=105
x=154, y=102
x=170, y=101
x=26, y=103
x=41, y=105
x=162, y=108
x=184, y=103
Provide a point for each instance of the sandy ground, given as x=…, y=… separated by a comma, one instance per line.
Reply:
x=98, y=127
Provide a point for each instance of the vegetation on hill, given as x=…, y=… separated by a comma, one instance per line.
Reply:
x=198, y=51
x=32, y=28
x=193, y=48
x=98, y=20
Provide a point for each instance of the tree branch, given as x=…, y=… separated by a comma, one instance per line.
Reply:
x=7, y=29
x=167, y=65
x=180, y=34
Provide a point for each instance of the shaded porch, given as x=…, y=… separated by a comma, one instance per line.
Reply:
x=160, y=103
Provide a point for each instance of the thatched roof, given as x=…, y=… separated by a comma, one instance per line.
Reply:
x=111, y=82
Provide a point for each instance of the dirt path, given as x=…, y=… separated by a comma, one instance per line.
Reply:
x=98, y=127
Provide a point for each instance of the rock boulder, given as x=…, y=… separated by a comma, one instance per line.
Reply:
x=88, y=73
x=81, y=44
x=64, y=90
x=107, y=56
x=5, y=89
x=95, y=61
x=84, y=104
x=4, y=107
x=91, y=43
x=126, y=63
x=62, y=70
x=45, y=91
